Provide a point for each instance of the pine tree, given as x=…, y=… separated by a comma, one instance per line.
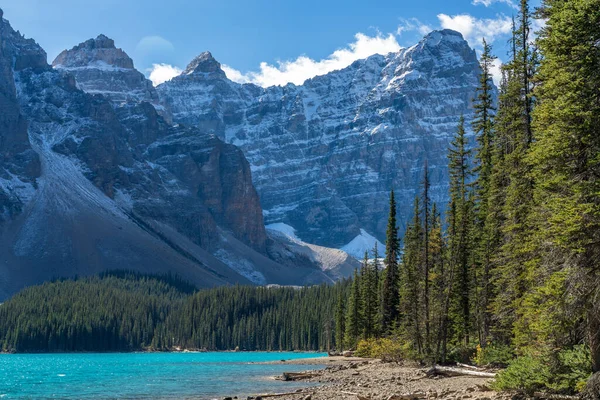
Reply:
x=515, y=259
x=439, y=283
x=483, y=127
x=369, y=289
x=411, y=288
x=426, y=259
x=340, y=320
x=390, y=297
x=378, y=289
x=461, y=219
x=354, y=321
x=566, y=161
x=376, y=266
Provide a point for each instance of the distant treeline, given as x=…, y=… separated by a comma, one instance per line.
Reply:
x=125, y=311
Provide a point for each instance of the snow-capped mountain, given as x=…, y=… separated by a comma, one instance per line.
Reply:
x=325, y=154
x=101, y=68
x=96, y=179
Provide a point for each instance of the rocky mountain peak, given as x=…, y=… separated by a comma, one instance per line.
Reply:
x=25, y=53
x=99, y=67
x=204, y=63
x=101, y=42
x=448, y=39
x=449, y=35
x=100, y=51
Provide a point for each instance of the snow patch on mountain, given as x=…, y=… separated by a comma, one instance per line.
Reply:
x=285, y=229
x=361, y=243
x=337, y=263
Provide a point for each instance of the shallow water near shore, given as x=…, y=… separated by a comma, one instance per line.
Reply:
x=146, y=375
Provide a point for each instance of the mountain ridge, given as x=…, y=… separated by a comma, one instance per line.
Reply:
x=314, y=147
x=102, y=182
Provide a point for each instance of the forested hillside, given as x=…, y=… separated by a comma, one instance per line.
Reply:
x=123, y=311
x=511, y=274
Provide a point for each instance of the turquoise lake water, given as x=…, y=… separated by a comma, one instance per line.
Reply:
x=144, y=375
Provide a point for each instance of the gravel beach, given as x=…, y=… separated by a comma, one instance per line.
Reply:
x=360, y=379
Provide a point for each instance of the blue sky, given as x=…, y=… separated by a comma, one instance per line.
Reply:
x=266, y=42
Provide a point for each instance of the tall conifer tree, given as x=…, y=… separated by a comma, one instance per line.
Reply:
x=566, y=159
x=390, y=294
x=354, y=321
x=515, y=257
x=461, y=207
x=483, y=127
x=340, y=320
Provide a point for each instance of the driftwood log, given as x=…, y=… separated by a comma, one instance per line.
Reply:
x=294, y=376
x=467, y=366
x=454, y=371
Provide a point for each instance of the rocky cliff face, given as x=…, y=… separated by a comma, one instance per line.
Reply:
x=19, y=164
x=101, y=68
x=325, y=154
x=101, y=181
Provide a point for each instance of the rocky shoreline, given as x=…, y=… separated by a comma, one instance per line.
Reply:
x=371, y=379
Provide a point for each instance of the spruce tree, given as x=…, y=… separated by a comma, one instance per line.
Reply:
x=426, y=257
x=566, y=161
x=354, y=322
x=439, y=283
x=390, y=297
x=483, y=127
x=369, y=286
x=378, y=289
x=340, y=320
x=411, y=288
x=515, y=259
x=459, y=244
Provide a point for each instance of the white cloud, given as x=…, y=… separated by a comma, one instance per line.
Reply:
x=537, y=24
x=412, y=24
x=475, y=29
x=303, y=67
x=496, y=71
x=488, y=3
x=235, y=75
x=160, y=73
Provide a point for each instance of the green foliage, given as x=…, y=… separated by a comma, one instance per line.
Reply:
x=564, y=372
x=386, y=349
x=574, y=369
x=494, y=355
x=461, y=353
x=525, y=373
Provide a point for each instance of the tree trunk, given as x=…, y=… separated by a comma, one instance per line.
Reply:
x=594, y=336
x=452, y=371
